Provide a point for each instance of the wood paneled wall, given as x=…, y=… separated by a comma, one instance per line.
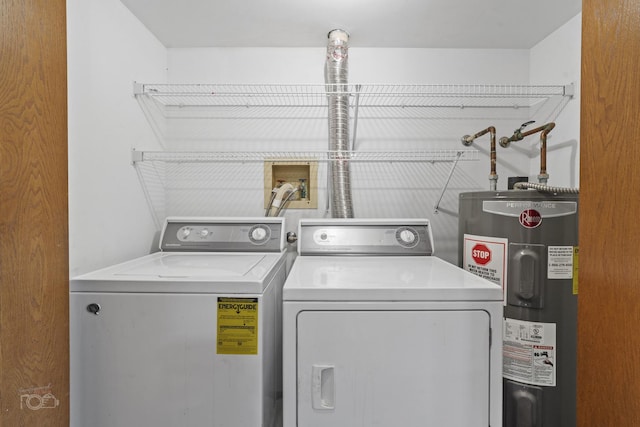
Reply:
x=609, y=277
x=34, y=338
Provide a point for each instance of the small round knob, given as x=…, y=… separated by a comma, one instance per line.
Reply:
x=407, y=236
x=185, y=232
x=258, y=234
x=93, y=308
x=204, y=233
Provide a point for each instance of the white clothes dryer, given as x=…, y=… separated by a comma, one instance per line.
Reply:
x=188, y=336
x=378, y=333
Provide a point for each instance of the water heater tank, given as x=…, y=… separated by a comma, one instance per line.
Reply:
x=527, y=242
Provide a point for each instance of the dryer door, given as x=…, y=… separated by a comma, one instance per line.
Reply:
x=393, y=368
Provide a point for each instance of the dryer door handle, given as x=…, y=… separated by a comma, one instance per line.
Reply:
x=323, y=387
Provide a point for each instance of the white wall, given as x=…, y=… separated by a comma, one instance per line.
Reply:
x=556, y=60
x=108, y=48
x=366, y=65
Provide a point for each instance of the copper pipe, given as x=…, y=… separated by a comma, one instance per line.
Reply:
x=467, y=140
x=518, y=135
x=543, y=151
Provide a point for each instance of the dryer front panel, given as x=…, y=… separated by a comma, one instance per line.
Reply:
x=385, y=368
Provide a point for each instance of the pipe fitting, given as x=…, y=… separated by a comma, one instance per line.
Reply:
x=517, y=134
x=493, y=182
x=543, y=178
x=468, y=139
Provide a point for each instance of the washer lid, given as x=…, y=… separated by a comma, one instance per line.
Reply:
x=185, y=273
x=379, y=278
x=200, y=265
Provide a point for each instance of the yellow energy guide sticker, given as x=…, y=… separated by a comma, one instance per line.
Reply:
x=237, y=326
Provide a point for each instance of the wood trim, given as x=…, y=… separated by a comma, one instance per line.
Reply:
x=609, y=300
x=34, y=319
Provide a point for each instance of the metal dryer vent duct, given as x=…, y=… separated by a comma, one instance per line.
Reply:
x=336, y=73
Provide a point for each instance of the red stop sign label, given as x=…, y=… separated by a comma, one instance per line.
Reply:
x=481, y=254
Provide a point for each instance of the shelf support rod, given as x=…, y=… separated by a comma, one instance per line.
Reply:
x=355, y=118
x=328, y=192
x=446, y=184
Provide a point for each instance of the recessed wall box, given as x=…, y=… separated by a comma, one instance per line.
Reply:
x=281, y=171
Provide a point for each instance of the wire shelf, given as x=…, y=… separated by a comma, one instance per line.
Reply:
x=404, y=96
x=298, y=156
x=404, y=137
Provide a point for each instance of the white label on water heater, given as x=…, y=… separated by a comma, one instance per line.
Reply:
x=487, y=257
x=529, y=352
x=560, y=262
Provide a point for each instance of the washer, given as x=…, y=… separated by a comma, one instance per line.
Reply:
x=188, y=336
x=378, y=333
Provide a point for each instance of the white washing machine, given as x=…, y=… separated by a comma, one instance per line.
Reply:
x=378, y=333
x=189, y=336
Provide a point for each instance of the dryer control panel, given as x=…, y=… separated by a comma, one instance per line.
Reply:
x=365, y=237
x=223, y=235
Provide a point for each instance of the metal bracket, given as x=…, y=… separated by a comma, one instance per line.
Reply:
x=569, y=90
x=136, y=156
x=138, y=88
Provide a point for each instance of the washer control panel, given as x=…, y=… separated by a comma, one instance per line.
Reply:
x=216, y=235
x=365, y=237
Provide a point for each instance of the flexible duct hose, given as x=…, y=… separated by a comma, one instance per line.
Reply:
x=545, y=188
x=336, y=78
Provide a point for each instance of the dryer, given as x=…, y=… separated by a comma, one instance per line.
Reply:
x=188, y=336
x=377, y=332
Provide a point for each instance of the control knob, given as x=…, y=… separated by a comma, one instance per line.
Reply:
x=407, y=236
x=259, y=234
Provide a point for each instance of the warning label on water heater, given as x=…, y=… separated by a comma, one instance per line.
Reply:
x=529, y=352
x=560, y=262
x=237, y=326
x=486, y=257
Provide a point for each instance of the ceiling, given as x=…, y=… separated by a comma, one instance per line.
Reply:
x=497, y=24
